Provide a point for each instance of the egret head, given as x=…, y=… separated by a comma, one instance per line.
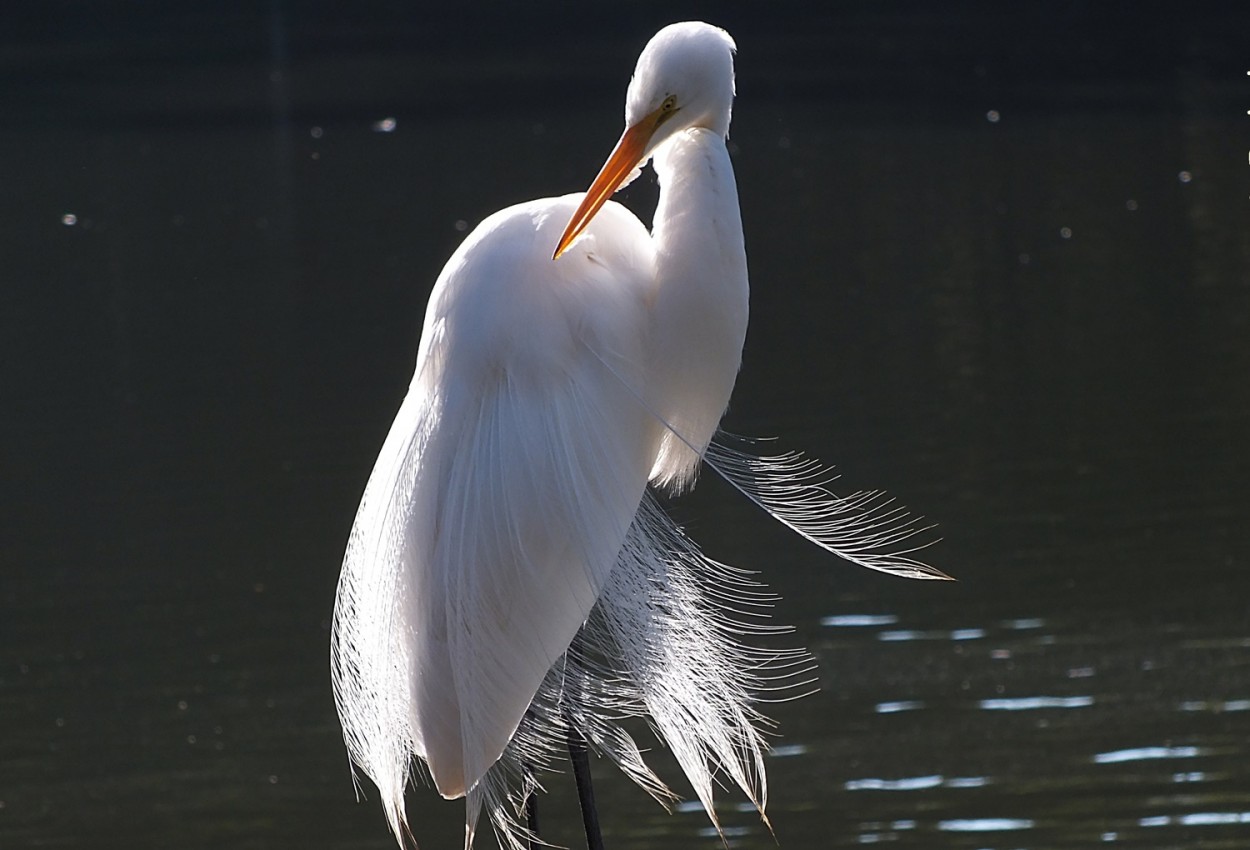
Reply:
x=684, y=79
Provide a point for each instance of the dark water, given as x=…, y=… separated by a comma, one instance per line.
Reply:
x=1001, y=267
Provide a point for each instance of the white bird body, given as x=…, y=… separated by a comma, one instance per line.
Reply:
x=517, y=349
x=507, y=515
x=514, y=348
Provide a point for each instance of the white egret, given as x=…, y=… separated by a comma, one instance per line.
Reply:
x=510, y=583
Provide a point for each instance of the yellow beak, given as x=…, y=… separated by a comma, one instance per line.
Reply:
x=625, y=157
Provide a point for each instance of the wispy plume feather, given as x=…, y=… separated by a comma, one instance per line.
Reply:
x=867, y=528
x=663, y=643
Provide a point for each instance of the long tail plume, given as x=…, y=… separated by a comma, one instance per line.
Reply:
x=867, y=528
x=663, y=643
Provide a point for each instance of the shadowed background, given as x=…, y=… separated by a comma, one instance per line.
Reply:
x=1000, y=260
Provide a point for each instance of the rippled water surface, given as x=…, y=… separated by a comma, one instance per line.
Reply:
x=1000, y=267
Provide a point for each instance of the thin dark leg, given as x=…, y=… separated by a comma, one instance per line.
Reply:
x=531, y=811
x=580, y=757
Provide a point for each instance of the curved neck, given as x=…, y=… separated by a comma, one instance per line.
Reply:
x=697, y=221
x=700, y=305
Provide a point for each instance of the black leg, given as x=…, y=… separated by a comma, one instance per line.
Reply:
x=580, y=756
x=531, y=811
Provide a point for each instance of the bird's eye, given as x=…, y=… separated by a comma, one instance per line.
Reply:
x=667, y=110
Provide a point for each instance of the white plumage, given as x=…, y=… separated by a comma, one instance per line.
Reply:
x=508, y=576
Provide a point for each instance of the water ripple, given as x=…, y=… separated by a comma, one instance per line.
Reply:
x=899, y=705
x=1197, y=819
x=1147, y=753
x=913, y=783
x=859, y=620
x=916, y=783
x=725, y=832
x=1216, y=705
x=984, y=824
x=1033, y=703
x=915, y=634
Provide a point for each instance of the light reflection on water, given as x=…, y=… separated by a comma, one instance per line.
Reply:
x=916, y=783
x=984, y=825
x=1074, y=790
x=1102, y=761
x=956, y=634
x=1032, y=703
x=898, y=705
x=1216, y=705
x=1147, y=753
x=858, y=620
x=1198, y=819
